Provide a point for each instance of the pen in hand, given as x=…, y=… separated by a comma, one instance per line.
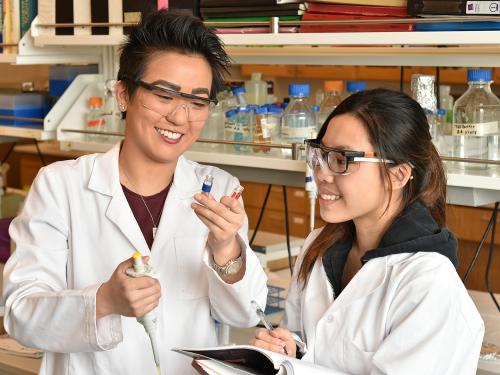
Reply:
x=264, y=321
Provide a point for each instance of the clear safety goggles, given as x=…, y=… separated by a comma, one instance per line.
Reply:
x=337, y=161
x=166, y=102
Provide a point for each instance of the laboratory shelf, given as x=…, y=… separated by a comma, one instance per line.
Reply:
x=470, y=56
x=475, y=188
x=8, y=58
x=26, y=132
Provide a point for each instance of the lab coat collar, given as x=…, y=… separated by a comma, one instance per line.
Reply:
x=105, y=175
x=105, y=179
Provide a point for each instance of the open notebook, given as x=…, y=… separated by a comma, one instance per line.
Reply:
x=246, y=359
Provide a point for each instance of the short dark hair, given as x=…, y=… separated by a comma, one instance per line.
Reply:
x=163, y=31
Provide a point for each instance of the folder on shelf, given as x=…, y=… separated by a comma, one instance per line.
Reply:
x=453, y=8
x=247, y=19
x=254, y=30
x=237, y=3
x=387, y=3
x=374, y=11
x=346, y=28
x=27, y=13
x=278, y=10
x=458, y=26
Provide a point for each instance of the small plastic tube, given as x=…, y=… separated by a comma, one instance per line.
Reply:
x=236, y=194
x=207, y=184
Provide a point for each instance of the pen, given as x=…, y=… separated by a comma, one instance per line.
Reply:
x=264, y=321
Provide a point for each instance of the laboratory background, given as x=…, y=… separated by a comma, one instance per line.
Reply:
x=293, y=63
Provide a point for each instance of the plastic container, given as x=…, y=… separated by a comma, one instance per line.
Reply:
x=30, y=105
x=240, y=94
x=214, y=126
x=476, y=117
x=95, y=120
x=242, y=129
x=256, y=89
x=422, y=88
x=355, y=86
x=61, y=76
x=446, y=120
x=298, y=121
x=333, y=97
x=315, y=111
x=267, y=128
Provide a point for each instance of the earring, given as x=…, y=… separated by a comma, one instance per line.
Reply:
x=122, y=107
x=411, y=177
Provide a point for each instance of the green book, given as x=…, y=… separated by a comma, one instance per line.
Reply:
x=247, y=19
x=28, y=10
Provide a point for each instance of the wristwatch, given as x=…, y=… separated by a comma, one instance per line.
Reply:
x=230, y=268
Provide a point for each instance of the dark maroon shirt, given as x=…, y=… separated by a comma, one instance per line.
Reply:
x=155, y=204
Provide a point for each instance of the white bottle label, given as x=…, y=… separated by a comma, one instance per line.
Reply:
x=480, y=129
x=297, y=132
x=482, y=7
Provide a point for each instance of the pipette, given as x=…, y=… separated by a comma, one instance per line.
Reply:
x=148, y=321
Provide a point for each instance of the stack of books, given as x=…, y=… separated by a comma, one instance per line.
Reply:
x=455, y=8
x=15, y=20
x=332, y=10
x=221, y=11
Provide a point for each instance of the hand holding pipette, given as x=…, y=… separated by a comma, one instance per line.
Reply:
x=148, y=320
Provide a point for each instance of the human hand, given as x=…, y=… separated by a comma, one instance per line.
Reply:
x=223, y=220
x=276, y=341
x=125, y=295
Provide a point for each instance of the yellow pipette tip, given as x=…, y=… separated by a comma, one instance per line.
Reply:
x=137, y=255
x=158, y=370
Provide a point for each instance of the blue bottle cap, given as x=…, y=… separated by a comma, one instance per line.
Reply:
x=260, y=110
x=244, y=109
x=353, y=86
x=252, y=107
x=231, y=113
x=441, y=112
x=479, y=75
x=239, y=90
x=274, y=109
x=298, y=90
x=315, y=108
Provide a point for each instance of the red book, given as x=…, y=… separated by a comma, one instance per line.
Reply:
x=357, y=9
x=347, y=28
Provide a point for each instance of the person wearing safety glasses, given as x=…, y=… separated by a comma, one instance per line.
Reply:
x=375, y=291
x=66, y=287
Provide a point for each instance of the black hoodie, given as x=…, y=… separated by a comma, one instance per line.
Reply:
x=413, y=231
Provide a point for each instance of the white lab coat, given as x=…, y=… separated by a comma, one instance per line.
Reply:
x=75, y=228
x=400, y=314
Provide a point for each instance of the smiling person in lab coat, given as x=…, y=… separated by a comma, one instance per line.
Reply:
x=375, y=291
x=66, y=290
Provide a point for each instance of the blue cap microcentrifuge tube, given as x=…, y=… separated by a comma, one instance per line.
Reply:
x=207, y=184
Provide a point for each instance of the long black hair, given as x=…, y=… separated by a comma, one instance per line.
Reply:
x=398, y=130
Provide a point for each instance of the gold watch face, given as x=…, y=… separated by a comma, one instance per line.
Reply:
x=234, y=267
